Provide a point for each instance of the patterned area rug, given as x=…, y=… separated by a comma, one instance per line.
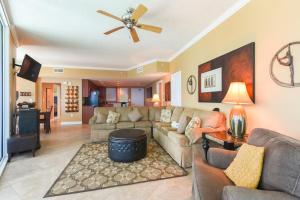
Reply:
x=91, y=169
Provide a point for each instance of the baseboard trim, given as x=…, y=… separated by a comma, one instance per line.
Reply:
x=71, y=123
x=3, y=165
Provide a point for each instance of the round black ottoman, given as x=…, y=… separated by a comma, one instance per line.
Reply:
x=127, y=145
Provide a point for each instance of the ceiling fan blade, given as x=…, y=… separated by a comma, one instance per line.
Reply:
x=150, y=28
x=134, y=35
x=109, y=15
x=114, y=30
x=138, y=12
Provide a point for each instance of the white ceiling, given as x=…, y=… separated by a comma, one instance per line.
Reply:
x=70, y=32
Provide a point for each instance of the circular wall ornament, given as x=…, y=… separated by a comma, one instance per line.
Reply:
x=191, y=84
x=285, y=58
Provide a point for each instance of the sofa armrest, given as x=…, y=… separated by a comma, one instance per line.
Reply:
x=220, y=158
x=196, y=135
x=238, y=193
x=92, y=120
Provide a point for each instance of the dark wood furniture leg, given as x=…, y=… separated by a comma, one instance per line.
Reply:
x=229, y=146
x=33, y=152
x=205, y=145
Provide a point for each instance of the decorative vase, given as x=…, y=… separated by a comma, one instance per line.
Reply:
x=237, y=119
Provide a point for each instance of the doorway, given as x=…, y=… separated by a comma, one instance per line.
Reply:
x=51, y=96
x=56, y=95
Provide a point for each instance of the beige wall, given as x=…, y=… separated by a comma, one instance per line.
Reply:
x=151, y=68
x=270, y=24
x=82, y=73
x=23, y=85
x=64, y=116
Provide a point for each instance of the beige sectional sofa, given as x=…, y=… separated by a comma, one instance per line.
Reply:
x=177, y=145
x=100, y=132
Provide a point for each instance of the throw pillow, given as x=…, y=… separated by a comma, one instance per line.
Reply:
x=166, y=115
x=245, y=170
x=175, y=124
x=113, y=117
x=101, y=118
x=194, y=123
x=183, y=122
x=134, y=115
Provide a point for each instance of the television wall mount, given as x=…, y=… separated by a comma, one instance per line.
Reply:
x=286, y=61
x=14, y=65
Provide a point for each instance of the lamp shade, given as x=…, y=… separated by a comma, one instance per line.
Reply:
x=237, y=94
x=155, y=98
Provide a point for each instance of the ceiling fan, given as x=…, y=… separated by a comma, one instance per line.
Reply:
x=130, y=20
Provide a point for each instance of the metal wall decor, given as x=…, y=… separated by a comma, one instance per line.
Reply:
x=191, y=84
x=286, y=61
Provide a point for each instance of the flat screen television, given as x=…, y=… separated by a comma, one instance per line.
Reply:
x=30, y=69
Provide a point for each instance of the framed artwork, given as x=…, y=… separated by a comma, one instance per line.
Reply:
x=215, y=76
x=25, y=94
x=211, y=81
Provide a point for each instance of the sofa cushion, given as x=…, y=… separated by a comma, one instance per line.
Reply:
x=183, y=122
x=281, y=162
x=239, y=193
x=125, y=125
x=176, y=114
x=164, y=130
x=112, y=117
x=103, y=110
x=178, y=138
x=124, y=111
x=159, y=125
x=135, y=115
x=188, y=112
x=154, y=113
x=104, y=126
x=143, y=124
x=144, y=112
x=166, y=115
x=170, y=108
x=101, y=118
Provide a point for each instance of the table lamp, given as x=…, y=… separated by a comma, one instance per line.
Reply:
x=156, y=99
x=237, y=94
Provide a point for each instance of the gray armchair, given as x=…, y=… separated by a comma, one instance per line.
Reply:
x=280, y=177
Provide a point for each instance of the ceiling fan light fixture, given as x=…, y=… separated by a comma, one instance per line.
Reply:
x=130, y=19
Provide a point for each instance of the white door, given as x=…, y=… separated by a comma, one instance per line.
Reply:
x=137, y=97
x=176, y=89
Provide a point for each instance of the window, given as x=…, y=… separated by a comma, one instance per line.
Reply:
x=1, y=91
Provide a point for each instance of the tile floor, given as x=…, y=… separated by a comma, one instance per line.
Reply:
x=28, y=178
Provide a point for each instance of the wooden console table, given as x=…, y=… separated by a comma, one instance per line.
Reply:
x=223, y=138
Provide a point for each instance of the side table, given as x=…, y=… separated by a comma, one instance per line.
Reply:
x=223, y=138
